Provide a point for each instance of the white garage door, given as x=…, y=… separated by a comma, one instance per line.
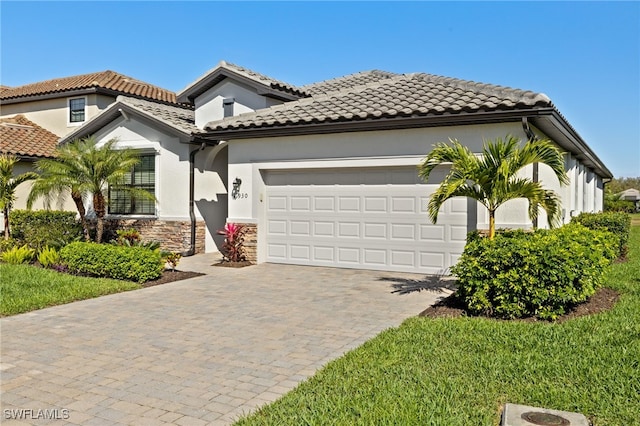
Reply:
x=363, y=219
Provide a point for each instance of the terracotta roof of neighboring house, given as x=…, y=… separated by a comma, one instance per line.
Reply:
x=22, y=137
x=225, y=69
x=406, y=95
x=178, y=119
x=3, y=88
x=109, y=81
x=347, y=81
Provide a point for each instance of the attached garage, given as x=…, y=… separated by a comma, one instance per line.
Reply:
x=369, y=218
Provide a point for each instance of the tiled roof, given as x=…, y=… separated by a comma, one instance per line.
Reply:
x=407, y=95
x=181, y=118
x=225, y=69
x=346, y=82
x=108, y=80
x=20, y=136
x=272, y=82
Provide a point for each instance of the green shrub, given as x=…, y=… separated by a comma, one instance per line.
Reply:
x=18, y=255
x=624, y=206
x=42, y=228
x=7, y=244
x=540, y=273
x=104, y=260
x=132, y=238
x=48, y=257
x=616, y=222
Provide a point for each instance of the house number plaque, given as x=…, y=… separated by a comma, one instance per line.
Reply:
x=235, y=192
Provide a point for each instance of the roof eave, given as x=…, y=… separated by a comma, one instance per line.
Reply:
x=552, y=123
x=115, y=111
x=50, y=95
x=189, y=94
x=391, y=123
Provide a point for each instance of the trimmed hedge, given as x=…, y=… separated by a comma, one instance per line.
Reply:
x=41, y=228
x=614, y=222
x=104, y=260
x=541, y=273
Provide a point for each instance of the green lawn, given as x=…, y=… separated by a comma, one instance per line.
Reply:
x=25, y=288
x=461, y=371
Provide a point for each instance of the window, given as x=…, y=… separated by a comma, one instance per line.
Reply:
x=143, y=176
x=76, y=110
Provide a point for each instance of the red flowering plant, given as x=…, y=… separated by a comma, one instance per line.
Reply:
x=233, y=247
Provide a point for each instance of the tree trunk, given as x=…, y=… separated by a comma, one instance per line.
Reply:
x=492, y=224
x=5, y=213
x=99, y=208
x=77, y=199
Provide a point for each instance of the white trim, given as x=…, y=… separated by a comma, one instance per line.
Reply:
x=343, y=163
x=86, y=111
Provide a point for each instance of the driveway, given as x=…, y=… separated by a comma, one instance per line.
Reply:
x=198, y=351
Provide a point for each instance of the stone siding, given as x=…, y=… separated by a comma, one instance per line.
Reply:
x=251, y=241
x=172, y=235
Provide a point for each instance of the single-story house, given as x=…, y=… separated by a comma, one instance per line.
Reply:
x=326, y=174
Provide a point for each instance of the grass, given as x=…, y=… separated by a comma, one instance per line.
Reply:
x=461, y=371
x=25, y=288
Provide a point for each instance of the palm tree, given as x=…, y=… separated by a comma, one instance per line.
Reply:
x=63, y=175
x=84, y=169
x=8, y=185
x=492, y=179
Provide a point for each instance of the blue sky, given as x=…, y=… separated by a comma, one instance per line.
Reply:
x=584, y=55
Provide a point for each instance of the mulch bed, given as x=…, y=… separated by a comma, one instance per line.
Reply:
x=603, y=300
x=233, y=264
x=171, y=276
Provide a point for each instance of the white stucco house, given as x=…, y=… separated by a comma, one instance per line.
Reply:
x=326, y=174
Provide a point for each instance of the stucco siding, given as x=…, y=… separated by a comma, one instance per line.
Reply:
x=53, y=114
x=209, y=105
x=172, y=173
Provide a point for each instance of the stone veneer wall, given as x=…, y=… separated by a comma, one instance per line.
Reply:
x=251, y=241
x=173, y=235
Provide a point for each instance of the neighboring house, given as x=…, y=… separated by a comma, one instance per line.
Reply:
x=326, y=174
x=35, y=116
x=29, y=142
x=631, y=194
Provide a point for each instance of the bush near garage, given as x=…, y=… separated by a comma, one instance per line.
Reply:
x=138, y=264
x=41, y=228
x=541, y=274
x=618, y=223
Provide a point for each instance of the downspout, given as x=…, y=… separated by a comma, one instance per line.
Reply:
x=531, y=136
x=192, y=213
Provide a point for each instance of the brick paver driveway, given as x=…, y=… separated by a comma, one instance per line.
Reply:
x=199, y=351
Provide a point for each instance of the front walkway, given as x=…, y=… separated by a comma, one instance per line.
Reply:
x=194, y=352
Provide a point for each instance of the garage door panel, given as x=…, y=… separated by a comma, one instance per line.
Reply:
x=375, y=230
x=300, y=252
x=403, y=231
x=324, y=229
x=375, y=257
x=369, y=226
x=323, y=253
x=277, y=227
x=403, y=205
x=324, y=204
x=348, y=230
x=349, y=255
x=348, y=204
x=433, y=233
x=300, y=204
x=300, y=227
x=403, y=258
x=431, y=260
x=375, y=205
